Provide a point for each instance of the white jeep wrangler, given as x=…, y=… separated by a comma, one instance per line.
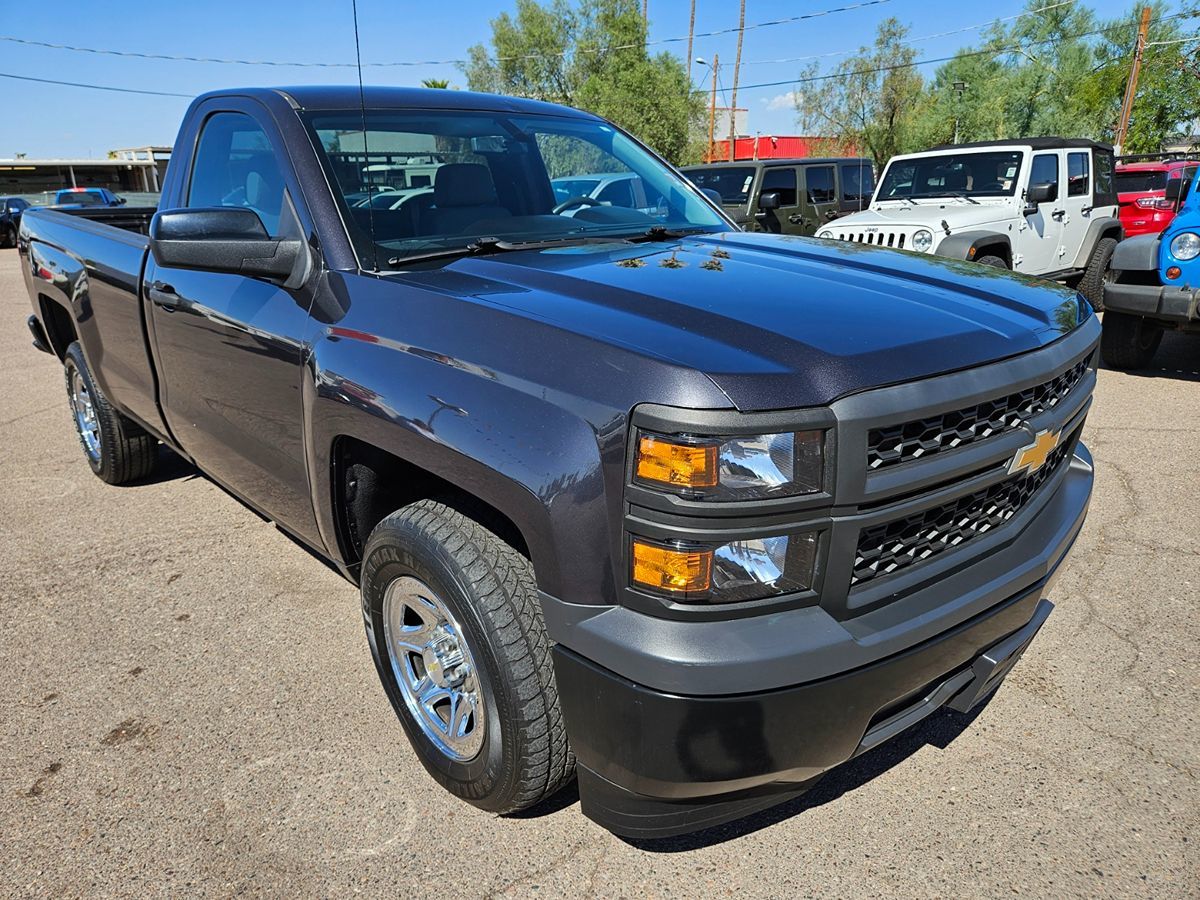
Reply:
x=1043, y=206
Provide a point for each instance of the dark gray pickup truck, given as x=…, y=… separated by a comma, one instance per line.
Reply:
x=691, y=514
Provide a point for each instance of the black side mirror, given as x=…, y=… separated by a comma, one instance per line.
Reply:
x=769, y=200
x=1177, y=188
x=225, y=239
x=712, y=195
x=1045, y=192
x=121, y=201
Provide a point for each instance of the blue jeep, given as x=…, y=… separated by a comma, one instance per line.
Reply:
x=1155, y=285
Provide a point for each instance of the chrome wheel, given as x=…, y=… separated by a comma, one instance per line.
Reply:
x=434, y=668
x=85, y=416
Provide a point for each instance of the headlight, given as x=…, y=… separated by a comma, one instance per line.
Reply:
x=743, y=570
x=825, y=234
x=732, y=468
x=1186, y=245
x=922, y=240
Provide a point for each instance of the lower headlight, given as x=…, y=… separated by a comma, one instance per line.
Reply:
x=825, y=234
x=752, y=569
x=1186, y=245
x=922, y=240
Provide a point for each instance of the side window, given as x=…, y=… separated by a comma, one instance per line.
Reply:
x=235, y=166
x=618, y=193
x=1078, y=175
x=858, y=182
x=1045, y=169
x=781, y=182
x=1102, y=191
x=818, y=184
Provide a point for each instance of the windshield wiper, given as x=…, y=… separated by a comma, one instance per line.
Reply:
x=489, y=245
x=964, y=196
x=662, y=233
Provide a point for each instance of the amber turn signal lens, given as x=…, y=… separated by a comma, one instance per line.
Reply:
x=668, y=569
x=679, y=465
x=1174, y=272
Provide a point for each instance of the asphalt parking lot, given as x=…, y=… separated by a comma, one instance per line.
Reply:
x=187, y=704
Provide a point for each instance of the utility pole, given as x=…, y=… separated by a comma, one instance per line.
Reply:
x=691, y=33
x=737, y=65
x=1131, y=85
x=712, y=112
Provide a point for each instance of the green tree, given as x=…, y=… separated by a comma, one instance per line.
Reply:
x=592, y=56
x=1167, y=102
x=871, y=98
x=435, y=83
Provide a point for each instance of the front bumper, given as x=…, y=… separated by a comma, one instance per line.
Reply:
x=654, y=762
x=1152, y=301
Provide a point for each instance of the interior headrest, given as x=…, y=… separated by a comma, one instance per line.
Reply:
x=463, y=184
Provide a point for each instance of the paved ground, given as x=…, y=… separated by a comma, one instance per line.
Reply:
x=187, y=702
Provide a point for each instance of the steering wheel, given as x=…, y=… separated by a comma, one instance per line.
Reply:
x=572, y=202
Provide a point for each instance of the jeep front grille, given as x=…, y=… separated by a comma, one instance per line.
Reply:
x=875, y=238
x=907, y=441
x=892, y=546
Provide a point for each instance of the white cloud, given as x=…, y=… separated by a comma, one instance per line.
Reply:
x=782, y=101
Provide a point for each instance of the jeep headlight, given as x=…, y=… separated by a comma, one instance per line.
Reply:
x=1186, y=245
x=735, y=467
x=827, y=234
x=922, y=240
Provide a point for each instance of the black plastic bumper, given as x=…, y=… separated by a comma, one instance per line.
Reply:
x=654, y=764
x=1152, y=301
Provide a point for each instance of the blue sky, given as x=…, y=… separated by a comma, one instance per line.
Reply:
x=45, y=120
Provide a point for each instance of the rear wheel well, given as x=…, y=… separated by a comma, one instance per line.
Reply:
x=370, y=484
x=60, y=327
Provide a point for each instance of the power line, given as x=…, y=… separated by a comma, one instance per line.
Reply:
x=95, y=87
x=988, y=51
x=924, y=37
x=863, y=4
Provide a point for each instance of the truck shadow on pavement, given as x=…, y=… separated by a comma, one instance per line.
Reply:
x=939, y=730
x=169, y=466
x=1178, y=358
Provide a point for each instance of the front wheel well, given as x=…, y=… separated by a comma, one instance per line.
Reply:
x=370, y=483
x=994, y=248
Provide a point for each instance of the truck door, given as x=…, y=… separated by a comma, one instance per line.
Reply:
x=787, y=218
x=230, y=348
x=1040, y=235
x=820, y=196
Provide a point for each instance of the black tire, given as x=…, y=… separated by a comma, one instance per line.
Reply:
x=996, y=262
x=1098, y=272
x=1128, y=342
x=123, y=451
x=9, y=237
x=489, y=589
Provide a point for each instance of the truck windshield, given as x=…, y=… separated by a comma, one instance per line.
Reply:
x=416, y=182
x=731, y=182
x=990, y=174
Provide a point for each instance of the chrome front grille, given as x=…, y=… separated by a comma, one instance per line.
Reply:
x=920, y=438
x=893, y=546
x=874, y=238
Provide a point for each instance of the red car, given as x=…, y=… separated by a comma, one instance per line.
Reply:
x=1142, y=188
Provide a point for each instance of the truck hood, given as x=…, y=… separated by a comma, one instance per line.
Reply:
x=958, y=214
x=775, y=321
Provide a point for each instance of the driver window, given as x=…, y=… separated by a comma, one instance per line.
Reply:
x=577, y=169
x=235, y=166
x=1045, y=169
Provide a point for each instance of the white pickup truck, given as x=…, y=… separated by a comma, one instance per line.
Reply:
x=1042, y=206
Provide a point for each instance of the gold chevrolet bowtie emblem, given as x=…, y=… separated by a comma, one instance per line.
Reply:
x=1033, y=457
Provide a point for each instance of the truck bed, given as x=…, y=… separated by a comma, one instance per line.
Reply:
x=127, y=218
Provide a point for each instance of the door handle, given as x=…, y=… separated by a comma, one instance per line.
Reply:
x=796, y=218
x=1058, y=214
x=164, y=297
